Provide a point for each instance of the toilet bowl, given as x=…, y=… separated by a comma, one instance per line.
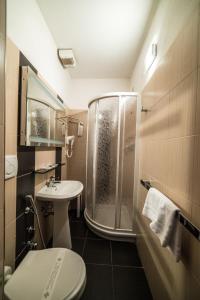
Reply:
x=50, y=274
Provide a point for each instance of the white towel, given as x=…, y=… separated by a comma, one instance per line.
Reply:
x=162, y=212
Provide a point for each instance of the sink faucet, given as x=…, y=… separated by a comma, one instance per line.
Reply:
x=51, y=182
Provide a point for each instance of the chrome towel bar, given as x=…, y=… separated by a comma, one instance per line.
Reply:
x=182, y=219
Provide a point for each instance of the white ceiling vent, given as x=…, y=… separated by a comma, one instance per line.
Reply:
x=67, y=58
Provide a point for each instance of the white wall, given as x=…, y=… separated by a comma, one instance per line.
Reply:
x=83, y=90
x=168, y=20
x=27, y=29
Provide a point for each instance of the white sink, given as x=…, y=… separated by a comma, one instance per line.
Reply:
x=62, y=191
x=61, y=194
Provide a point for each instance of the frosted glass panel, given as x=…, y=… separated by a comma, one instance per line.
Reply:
x=90, y=159
x=38, y=115
x=107, y=133
x=128, y=128
x=111, y=162
x=43, y=127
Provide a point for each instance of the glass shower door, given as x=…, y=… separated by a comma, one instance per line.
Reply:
x=111, y=162
x=91, y=146
x=127, y=161
x=106, y=161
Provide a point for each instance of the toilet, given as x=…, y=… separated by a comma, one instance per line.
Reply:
x=50, y=274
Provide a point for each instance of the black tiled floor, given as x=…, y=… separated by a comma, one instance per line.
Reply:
x=77, y=245
x=73, y=217
x=114, y=270
x=130, y=283
x=78, y=229
x=125, y=254
x=97, y=252
x=99, y=283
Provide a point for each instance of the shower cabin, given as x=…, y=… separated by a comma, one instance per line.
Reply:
x=112, y=165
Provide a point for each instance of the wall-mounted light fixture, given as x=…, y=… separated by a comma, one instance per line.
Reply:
x=151, y=56
x=66, y=57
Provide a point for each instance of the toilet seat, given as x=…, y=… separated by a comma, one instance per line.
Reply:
x=50, y=274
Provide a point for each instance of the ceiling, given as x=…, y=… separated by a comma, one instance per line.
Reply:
x=106, y=35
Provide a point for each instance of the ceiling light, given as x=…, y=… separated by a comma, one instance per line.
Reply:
x=66, y=58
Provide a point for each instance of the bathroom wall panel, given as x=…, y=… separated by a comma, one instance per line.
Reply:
x=64, y=167
x=149, y=96
x=2, y=167
x=10, y=203
x=155, y=123
x=44, y=157
x=26, y=160
x=181, y=152
x=197, y=119
x=76, y=165
x=189, y=45
x=182, y=108
x=170, y=147
x=46, y=222
x=172, y=277
x=10, y=244
x=25, y=187
x=58, y=158
x=27, y=182
x=195, y=188
x=12, y=73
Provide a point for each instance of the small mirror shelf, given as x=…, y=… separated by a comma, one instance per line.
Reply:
x=41, y=113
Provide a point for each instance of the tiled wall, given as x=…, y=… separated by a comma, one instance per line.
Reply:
x=29, y=159
x=12, y=73
x=76, y=165
x=2, y=101
x=170, y=158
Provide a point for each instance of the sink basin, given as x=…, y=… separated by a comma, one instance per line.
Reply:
x=61, y=191
x=61, y=194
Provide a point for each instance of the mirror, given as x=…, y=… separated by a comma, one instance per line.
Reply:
x=41, y=112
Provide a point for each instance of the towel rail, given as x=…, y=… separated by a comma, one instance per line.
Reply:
x=182, y=219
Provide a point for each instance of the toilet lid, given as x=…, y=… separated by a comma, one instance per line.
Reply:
x=50, y=274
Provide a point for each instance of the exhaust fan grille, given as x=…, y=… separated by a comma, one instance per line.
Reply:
x=67, y=58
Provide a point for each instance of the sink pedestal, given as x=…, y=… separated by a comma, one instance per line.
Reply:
x=61, y=194
x=61, y=229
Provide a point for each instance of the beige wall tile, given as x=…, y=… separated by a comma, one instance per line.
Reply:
x=40, y=180
x=155, y=123
x=174, y=60
x=10, y=243
x=10, y=200
x=193, y=288
x=197, y=120
x=11, y=144
x=192, y=262
x=162, y=78
x=189, y=45
x=196, y=215
x=169, y=157
x=149, y=95
x=180, y=166
x=195, y=180
x=1, y=238
x=44, y=158
x=2, y=167
x=76, y=165
x=12, y=76
x=182, y=108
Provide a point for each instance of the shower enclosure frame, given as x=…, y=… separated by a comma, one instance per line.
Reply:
x=115, y=233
